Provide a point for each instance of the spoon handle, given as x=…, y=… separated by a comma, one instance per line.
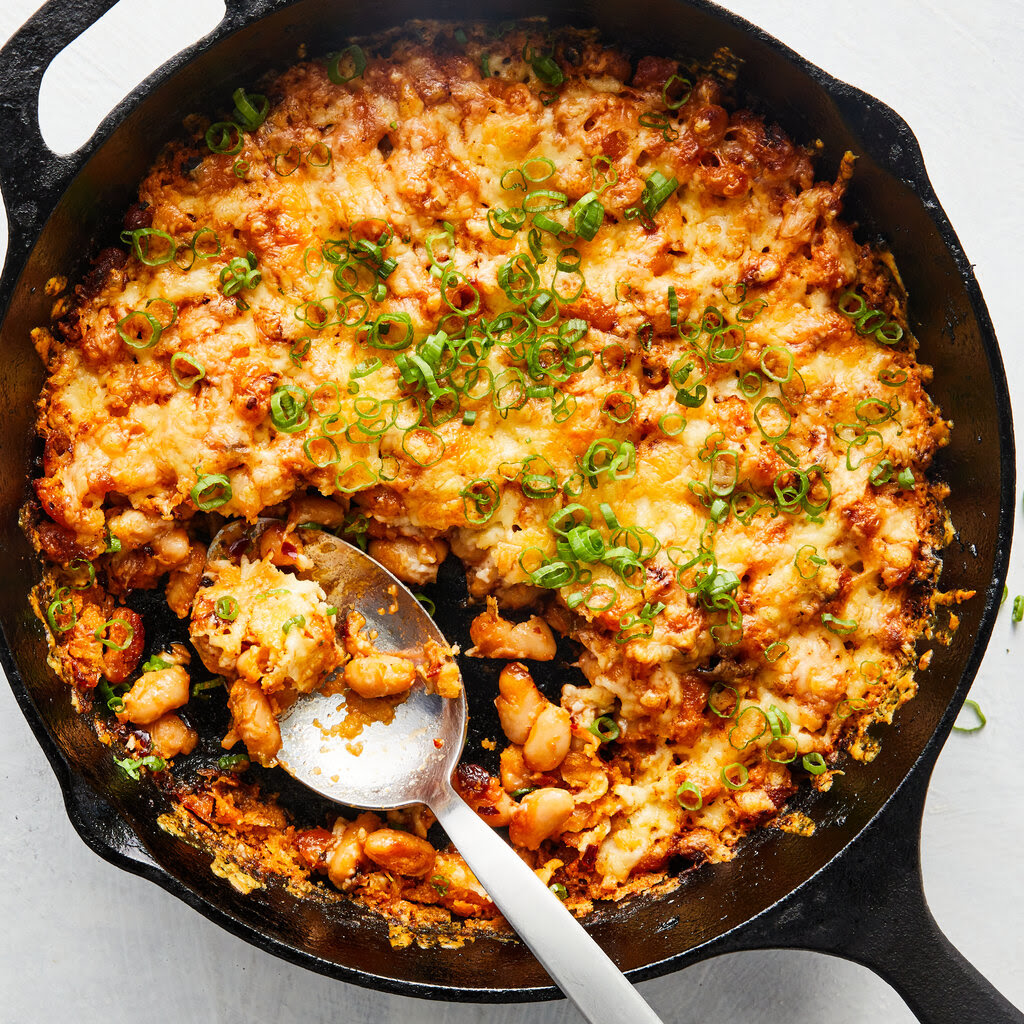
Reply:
x=576, y=963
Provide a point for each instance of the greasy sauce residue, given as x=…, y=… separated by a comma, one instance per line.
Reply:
x=360, y=712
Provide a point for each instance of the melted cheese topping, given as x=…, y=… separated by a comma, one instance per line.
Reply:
x=738, y=276
x=259, y=622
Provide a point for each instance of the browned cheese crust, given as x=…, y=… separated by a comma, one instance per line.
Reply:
x=683, y=427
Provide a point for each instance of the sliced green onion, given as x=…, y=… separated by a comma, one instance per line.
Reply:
x=893, y=377
x=659, y=122
x=233, y=763
x=545, y=200
x=715, y=707
x=1017, y=613
x=778, y=721
x=114, y=701
x=139, y=330
x=981, y=719
x=672, y=424
x=741, y=714
x=657, y=190
x=814, y=559
x=322, y=451
x=843, y=627
x=241, y=272
x=778, y=429
x=814, y=763
x=847, y=707
x=224, y=138
x=155, y=663
x=545, y=68
x=735, y=775
x=226, y=609
x=480, y=499
x=905, y=478
x=186, y=378
x=289, y=408
x=295, y=620
x=690, y=797
x=142, y=246
x=212, y=490
x=288, y=162
x=131, y=765
x=354, y=60
x=587, y=216
x=127, y=629
x=676, y=91
x=58, y=609
x=559, y=890
x=605, y=729
x=83, y=563
x=250, y=109
x=201, y=689
x=782, y=750
x=619, y=406
x=319, y=155
x=207, y=253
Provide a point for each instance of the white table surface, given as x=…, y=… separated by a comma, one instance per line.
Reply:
x=81, y=941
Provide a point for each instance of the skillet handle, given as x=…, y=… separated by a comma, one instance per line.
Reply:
x=869, y=906
x=935, y=980
x=31, y=175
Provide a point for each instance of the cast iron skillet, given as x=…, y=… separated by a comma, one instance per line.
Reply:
x=854, y=888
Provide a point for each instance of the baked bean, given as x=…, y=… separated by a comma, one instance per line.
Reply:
x=540, y=816
x=495, y=637
x=253, y=720
x=315, y=510
x=346, y=855
x=484, y=794
x=379, y=675
x=183, y=582
x=411, y=559
x=134, y=528
x=171, y=549
x=400, y=852
x=156, y=693
x=170, y=736
x=519, y=701
x=548, y=743
x=278, y=545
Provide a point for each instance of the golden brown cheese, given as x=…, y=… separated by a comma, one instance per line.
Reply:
x=713, y=377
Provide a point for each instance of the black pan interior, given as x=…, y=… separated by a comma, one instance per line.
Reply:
x=890, y=198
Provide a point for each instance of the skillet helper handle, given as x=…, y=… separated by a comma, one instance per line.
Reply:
x=576, y=963
x=31, y=175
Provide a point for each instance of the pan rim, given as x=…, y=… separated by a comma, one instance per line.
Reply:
x=71, y=784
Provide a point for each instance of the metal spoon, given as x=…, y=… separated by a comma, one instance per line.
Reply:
x=410, y=760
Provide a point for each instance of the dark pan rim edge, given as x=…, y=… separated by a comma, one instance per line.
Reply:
x=914, y=174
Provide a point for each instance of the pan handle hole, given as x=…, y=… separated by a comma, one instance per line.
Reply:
x=91, y=75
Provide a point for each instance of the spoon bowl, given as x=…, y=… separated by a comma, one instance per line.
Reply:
x=394, y=761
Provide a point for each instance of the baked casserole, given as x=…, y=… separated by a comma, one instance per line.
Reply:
x=510, y=296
